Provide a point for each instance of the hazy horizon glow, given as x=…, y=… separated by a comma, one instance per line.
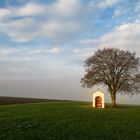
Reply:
x=43, y=44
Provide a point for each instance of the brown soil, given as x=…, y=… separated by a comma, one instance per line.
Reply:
x=20, y=100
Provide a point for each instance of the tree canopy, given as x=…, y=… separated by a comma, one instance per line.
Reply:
x=117, y=69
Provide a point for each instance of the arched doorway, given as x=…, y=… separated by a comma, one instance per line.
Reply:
x=98, y=102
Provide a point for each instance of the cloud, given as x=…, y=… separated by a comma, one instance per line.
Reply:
x=79, y=55
x=102, y=4
x=125, y=36
x=137, y=7
x=59, y=8
x=38, y=62
x=66, y=8
x=43, y=50
x=59, y=28
x=31, y=9
x=84, y=52
x=29, y=59
x=34, y=20
x=4, y=12
x=11, y=51
x=26, y=29
x=120, y=11
x=89, y=42
x=57, y=20
x=107, y=3
x=20, y=30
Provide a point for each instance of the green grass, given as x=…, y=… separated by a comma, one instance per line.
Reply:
x=68, y=121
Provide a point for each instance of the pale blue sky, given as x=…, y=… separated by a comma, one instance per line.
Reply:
x=50, y=39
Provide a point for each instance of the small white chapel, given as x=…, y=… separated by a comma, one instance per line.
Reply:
x=98, y=99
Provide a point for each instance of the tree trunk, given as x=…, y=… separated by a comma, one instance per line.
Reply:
x=113, y=97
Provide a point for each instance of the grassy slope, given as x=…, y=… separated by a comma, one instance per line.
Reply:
x=68, y=121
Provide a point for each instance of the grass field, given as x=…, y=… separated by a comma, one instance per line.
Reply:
x=68, y=121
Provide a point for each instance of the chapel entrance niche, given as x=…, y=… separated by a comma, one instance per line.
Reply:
x=98, y=102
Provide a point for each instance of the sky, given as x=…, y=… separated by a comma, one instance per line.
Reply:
x=43, y=44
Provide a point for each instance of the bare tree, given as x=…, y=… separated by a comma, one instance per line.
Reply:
x=117, y=69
